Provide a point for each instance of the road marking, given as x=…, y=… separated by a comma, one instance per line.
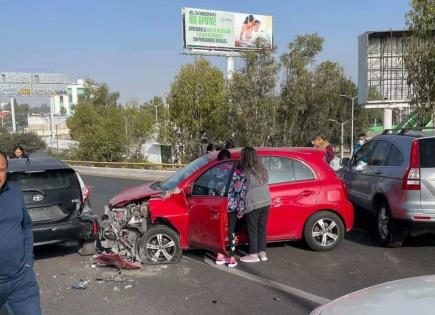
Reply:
x=264, y=281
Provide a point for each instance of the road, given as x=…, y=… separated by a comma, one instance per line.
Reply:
x=293, y=281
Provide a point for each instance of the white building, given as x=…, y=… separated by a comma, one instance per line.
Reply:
x=63, y=104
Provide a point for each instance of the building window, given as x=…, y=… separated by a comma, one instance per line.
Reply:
x=36, y=79
x=70, y=98
x=3, y=77
x=61, y=98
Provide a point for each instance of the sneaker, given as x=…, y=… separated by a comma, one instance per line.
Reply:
x=253, y=258
x=262, y=256
x=232, y=262
x=221, y=259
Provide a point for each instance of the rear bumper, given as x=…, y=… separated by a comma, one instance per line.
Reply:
x=78, y=229
x=56, y=232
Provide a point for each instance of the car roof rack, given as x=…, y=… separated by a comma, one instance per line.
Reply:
x=403, y=131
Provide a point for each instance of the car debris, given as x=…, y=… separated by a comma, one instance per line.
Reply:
x=81, y=285
x=128, y=287
x=120, y=231
x=116, y=289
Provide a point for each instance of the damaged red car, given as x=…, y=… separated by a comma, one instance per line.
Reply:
x=154, y=223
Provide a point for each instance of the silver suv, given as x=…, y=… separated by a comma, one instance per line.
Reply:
x=393, y=176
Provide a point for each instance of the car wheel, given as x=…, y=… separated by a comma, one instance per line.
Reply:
x=323, y=231
x=386, y=231
x=86, y=248
x=160, y=245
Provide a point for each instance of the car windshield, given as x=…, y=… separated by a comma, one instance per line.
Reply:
x=181, y=175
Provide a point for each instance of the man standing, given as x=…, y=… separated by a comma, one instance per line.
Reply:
x=362, y=139
x=18, y=286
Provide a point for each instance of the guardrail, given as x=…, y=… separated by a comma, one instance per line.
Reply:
x=127, y=165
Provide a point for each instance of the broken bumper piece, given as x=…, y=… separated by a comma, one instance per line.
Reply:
x=111, y=259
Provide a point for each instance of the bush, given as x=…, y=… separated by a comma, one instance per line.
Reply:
x=30, y=142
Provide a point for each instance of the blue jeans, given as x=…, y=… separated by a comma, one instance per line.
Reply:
x=21, y=294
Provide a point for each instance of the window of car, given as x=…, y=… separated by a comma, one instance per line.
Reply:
x=363, y=154
x=182, y=174
x=427, y=153
x=380, y=154
x=395, y=157
x=214, y=182
x=282, y=170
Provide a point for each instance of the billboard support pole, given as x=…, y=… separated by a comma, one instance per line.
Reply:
x=230, y=67
x=52, y=118
x=14, y=125
x=388, y=118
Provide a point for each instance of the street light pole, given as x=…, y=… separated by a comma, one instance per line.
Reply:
x=342, y=135
x=351, y=132
x=155, y=106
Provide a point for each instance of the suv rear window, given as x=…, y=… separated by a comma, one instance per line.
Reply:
x=48, y=180
x=427, y=153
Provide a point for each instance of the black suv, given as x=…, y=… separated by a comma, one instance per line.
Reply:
x=57, y=201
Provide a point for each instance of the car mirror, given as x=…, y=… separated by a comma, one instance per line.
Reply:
x=188, y=191
x=345, y=162
x=360, y=166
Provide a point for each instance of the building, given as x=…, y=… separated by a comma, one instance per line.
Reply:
x=63, y=104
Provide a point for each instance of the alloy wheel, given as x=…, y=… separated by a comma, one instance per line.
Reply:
x=383, y=223
x=325, y=232
x=160, y=248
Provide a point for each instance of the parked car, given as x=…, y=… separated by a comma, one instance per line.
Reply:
x=393, y=177
x=153, y=223
x=57, y=201
x=401, y=297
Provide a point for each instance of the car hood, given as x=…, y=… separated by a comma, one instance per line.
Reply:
x=133, y=193
x=407, y=296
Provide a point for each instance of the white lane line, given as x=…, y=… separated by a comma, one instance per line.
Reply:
x=264, y=281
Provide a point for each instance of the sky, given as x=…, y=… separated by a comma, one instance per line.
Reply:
x=135, y=46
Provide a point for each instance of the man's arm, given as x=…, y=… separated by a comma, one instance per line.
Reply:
x=28, y=236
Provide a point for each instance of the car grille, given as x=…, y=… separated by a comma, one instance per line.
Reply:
x=52, y=213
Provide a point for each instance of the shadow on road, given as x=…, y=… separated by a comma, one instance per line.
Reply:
x=51, y=251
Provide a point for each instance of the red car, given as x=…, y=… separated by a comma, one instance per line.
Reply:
x=153, y=223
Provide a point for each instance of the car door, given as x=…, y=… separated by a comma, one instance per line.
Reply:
x=355, y=176
x=293, y=193
x=208, y=208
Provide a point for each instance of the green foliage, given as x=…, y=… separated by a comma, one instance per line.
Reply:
x=196, y=105
x=30, y=142
x=251, y=94
x=98, y=124
x=420, y=57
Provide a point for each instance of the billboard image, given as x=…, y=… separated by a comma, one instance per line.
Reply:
x=221, y=30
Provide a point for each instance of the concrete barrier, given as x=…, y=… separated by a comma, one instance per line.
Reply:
x=124, y=172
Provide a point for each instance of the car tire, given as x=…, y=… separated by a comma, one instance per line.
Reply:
x=323, y=231
x=86, y=248
x=387, y=233
x=160, y=245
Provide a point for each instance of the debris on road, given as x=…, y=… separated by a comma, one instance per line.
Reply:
x=116, y=289
x=115, y=260
x=277, y=299
x=81, y=285
x=128, y=287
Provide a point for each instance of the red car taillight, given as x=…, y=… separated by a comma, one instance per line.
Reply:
x=411, y=180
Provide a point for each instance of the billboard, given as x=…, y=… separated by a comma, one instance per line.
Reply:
x=32, y=84
x=382, y=77
x=221, y=30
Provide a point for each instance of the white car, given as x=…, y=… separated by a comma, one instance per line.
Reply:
x=407, y=296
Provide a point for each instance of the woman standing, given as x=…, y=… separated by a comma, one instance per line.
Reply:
x=257, y=203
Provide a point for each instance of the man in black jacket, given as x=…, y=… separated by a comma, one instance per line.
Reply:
x=18, y=286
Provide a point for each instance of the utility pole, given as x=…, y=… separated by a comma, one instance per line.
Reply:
x=155, y=106
x=14, y=124
x=342, y=135
x=351, y=128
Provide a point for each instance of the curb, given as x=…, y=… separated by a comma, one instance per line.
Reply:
x=123, y=172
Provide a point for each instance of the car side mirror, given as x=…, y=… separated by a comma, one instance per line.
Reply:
x=345, y=162
x=188, y=191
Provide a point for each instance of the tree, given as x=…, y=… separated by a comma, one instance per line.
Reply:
x=420, y=56
x=196, y=105
x=97, y=125
x=253, y=99
x=30, y=142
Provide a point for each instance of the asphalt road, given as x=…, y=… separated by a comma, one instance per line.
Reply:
x=281, y=286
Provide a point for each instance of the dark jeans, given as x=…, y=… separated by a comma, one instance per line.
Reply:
x=256, y=222
x=21, y=294
x=232, y=221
